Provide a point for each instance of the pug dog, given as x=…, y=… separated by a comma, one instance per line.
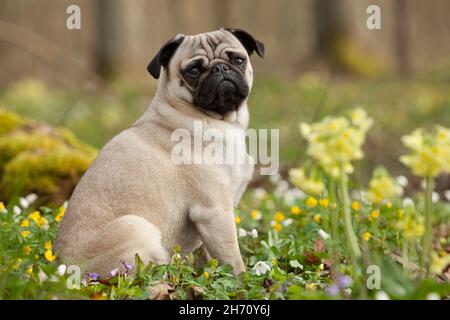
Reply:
x=134, y=199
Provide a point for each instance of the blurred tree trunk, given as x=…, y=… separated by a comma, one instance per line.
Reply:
x=401, y=37
x=106, y=37
x=330, y=26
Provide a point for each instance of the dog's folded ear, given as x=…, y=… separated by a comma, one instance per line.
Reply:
x=164, y=55
x=248, y=41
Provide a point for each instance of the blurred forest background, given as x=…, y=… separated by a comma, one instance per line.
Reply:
x=321, y=59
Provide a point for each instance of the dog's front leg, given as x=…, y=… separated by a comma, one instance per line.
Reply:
x=217, y=229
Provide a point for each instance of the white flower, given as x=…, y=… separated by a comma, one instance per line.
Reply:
x=17, y=210
x=61, y=270
x=65, y=204
x=275, y=178
x=435, y=197
x=113, y=272
x=381, y=295
x=42, y=276
x=24, y=203
x=298, y=194
x=242, y=233
x=287, y=222
x=433, y=296
x=289, y=198
x=254, y=233
x=407, y=202
x=323, y=234
x=31, y=198
x=447, y=195
x=402, y=181
x=261, y=267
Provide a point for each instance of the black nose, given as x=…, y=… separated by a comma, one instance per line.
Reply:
x=220, y=67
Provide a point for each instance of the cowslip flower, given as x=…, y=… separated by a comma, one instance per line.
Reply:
x=49, y=255
x=429, y=152
x=276, y=226
x=25, y=233
x=311, y=202
x=256, y=215
x=317, y=217
x=382, y=186
x=356, y=205
x=278, y=216
x=60, y=215
x=324, y=202
x=26, y=250
x=309, y=185
x=337, y=141
x=295, y=210
x=35, y=216
x=25, y=223
x=261, y=267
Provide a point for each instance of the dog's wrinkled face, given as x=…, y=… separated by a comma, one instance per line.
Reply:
x=211, y=71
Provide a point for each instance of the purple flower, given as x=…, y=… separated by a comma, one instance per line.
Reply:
x=332, y=290
x=114, y=272
x=344, y=281
x=126, y=265
x=94, y=276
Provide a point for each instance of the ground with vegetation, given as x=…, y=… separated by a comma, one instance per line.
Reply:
x=309, y=233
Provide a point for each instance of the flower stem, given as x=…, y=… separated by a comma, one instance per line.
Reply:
x=354, y=249
x=334, y=229
x=427, y=237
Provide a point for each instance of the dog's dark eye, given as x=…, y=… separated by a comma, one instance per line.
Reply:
x=238, y=61
x=193, y=72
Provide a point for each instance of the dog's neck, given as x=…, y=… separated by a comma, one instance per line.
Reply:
x=178, y=112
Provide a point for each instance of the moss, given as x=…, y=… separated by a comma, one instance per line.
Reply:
x=50, y=161
x=9, y=121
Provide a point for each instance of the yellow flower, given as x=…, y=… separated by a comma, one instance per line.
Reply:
x=382, y=186
x=412, y=226
x=274, y=261
x=439, y=263
x=60, y=215
x=42, y=221
x=324, y=202
x=206, y=274
x=25, y=223
x=309, y=185
x=295, y=210
x=317, y=217
x=367, y=236
x=30, y=270
x=2, y=206
x=356, y=205
x=237, y=219
x=375, y=214
x=429, y=152
x=25, y=233
x=277, y=226
x=48, y=245
x=255, y=214
x=278, y=216
x=49, y=255
x=35, y=216
x=311, y=286
x=337, y=141
x=311, y=202
x=389, y=204
x=26, y=250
